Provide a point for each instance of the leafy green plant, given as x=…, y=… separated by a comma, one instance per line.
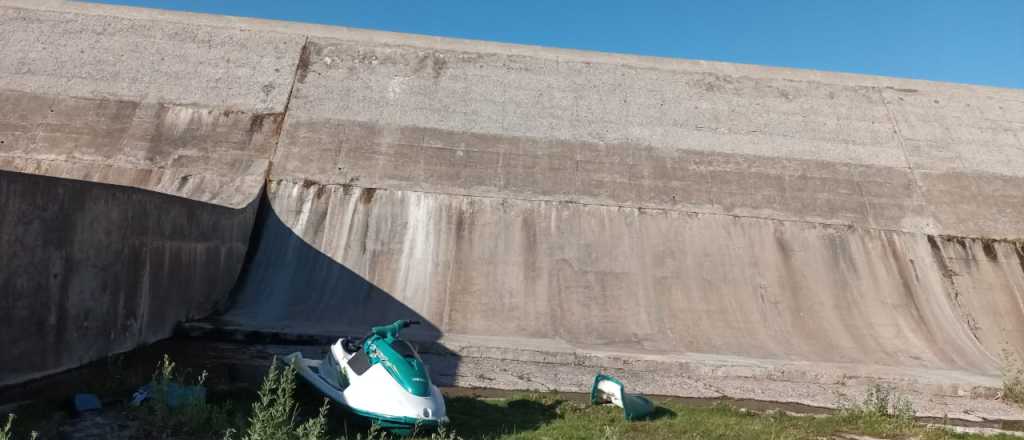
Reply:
x=316, y=427
x=275, y=411
x=6, y=431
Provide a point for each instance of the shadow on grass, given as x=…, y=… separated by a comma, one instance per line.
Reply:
x=475, y=418
x=660, y=412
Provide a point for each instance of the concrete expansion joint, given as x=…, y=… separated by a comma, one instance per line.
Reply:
x=901, y=141
x=301, y=67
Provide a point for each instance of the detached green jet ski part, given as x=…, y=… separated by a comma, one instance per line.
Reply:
x=609, y=390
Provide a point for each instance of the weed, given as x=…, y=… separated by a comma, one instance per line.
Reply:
x=881, y=401
x=275, y=411
x=375, y=433
x=1013, y=377
x=6, y=430
x=316, y=427
x=883, y=410
x=444, y=434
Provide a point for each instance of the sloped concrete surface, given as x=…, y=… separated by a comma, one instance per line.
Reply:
x=665, y=213
x=132, y=155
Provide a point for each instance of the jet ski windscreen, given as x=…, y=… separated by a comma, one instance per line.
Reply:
x=405, y=349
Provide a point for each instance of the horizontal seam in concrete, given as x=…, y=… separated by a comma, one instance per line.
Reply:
x=151, y=167
x=143, y=101
x=643, y=208
x=903, y=165
x=631, y=143
x=604, y=205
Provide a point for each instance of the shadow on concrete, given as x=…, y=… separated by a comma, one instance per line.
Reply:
x=290, y=292
x=90, y=269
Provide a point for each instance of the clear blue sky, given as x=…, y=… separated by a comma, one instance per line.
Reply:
x=969, y=41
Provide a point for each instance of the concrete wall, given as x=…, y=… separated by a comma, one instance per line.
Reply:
x=527, y=197
x=652, y=206
x=659, y=282
x=132, y=154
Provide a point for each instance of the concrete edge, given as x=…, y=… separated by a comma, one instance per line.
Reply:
x=479, y=46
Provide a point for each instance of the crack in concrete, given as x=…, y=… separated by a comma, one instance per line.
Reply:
x=901, y=142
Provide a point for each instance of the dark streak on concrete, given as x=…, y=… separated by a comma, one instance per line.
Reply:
x=302, y=69
x=990, y=250
x=940, y=258
x=366, y=197
x=1019, y=247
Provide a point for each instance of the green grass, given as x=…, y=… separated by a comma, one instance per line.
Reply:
x=546, y=417
x=549, y=417
x=287, y=409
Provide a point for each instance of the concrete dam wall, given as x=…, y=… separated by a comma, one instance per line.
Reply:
x=540, y=209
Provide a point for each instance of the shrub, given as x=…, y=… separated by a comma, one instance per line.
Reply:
x=1013, y=378
x=275, y=411
x=881, y=402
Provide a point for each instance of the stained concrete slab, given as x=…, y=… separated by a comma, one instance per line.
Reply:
x=176, y=108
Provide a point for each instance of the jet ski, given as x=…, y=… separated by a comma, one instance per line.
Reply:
x=379, y=377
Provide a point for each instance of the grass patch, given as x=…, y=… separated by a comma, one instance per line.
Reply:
x=285, y=409
x=536, y=417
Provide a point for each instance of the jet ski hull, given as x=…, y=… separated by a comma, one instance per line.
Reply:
x=310, y=370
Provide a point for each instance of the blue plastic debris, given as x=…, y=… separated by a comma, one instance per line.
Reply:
x=174, y=394
x=87, y=402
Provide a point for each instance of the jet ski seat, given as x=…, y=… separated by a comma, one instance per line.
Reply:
x=350, y=345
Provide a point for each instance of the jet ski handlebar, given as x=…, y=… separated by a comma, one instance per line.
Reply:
x=392, y=329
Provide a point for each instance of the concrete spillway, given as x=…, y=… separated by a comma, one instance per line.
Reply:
x=717, y=228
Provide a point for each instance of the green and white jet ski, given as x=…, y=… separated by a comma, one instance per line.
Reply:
x=381, y=378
